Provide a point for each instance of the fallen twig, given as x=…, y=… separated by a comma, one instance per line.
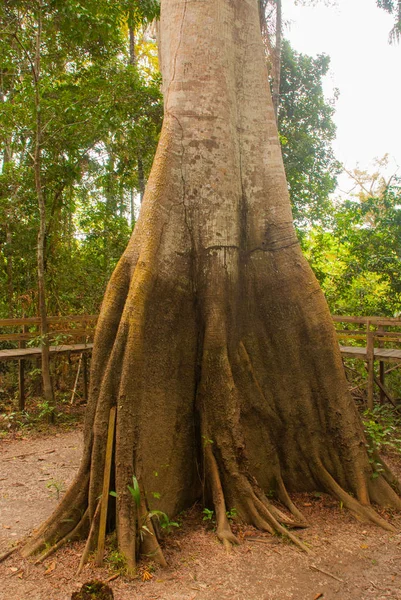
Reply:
x=112, y=577
x=8, y=553
x=376, y=586
x=28, y=454
x=326, y=573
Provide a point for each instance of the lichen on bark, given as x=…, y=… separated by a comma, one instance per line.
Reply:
x=214, y=340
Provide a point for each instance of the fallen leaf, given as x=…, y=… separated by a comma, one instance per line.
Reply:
x=364, y=546
x=14, y=569
x=320, y=595
x=146, y=576
x=307, y=504
x=50, y=568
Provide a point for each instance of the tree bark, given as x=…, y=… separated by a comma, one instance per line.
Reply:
x=47, y=385
x=277, y=58
x=214, y=339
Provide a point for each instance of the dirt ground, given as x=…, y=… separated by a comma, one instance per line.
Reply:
x=350, y=560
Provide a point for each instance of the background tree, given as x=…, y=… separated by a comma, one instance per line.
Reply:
x=307, y=130
x=96, y=110
x=357, y=255
x=394, y=8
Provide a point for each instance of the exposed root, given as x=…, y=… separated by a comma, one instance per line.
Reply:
x=383, y=494
x=91, y=541
x=267, y=518
x=224, y=533
x=4, y=556
x=253, y=505
x=150, y=546
x=76, y=533
x=286, y=500
x=279, y=515
x=63, y=520
x=387, y=474
x=364, y=513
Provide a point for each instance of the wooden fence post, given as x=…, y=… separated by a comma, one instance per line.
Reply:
x=371, y=363
x=21, y=375
x=381, y=329
x=85, y=375
x=106, y=487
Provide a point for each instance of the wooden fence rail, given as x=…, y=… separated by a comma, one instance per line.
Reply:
x=67, y=335
x=374, y=339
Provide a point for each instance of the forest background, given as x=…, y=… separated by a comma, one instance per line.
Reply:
x=81, y=111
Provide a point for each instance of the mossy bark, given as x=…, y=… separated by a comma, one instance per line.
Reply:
x=214, y=340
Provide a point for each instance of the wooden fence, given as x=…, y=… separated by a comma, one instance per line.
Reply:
x=372, y=339
x=67, y=335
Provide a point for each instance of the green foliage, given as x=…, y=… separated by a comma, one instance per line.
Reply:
x=383, y=431
x=56, y=487
x=208, y=515
x=117, y=561
x=305, y=122
x=164, y=520
x=383, y=428
x=135, y=491
x=394, y=8
x=357, y=258
x=100, y=117
x=47, y=411
x=232, y=514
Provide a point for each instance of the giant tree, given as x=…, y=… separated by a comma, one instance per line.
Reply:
x=214, y=342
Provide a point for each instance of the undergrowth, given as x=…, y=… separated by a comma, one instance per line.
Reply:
x=39, y=416
x=383, y=432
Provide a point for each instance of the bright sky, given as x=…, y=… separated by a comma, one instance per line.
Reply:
x=365, y=69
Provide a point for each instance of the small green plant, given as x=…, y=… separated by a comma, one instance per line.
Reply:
x=232, y=514
x=208, y=514
x=117, y=561
x=382, y=428
x=35, y=372
x=206, y=441
x=12, y=420
x=38, y=340
x=164, y=520
x=47, y=411
x=134, y=491
x=55, y=487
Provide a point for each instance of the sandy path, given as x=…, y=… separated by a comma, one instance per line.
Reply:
x=363, y=560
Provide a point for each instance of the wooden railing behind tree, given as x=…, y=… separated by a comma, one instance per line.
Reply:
x=375, y=339
x=70, y=334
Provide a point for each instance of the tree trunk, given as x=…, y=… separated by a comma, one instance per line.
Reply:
x=277, y=58
x=214, y=340
x=47, y=385
x=9, y=270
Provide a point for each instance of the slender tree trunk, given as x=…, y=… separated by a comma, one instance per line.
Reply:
x=9, y=240
x=214, y=339
x=132, y=58
x=47, y=385
x=9, y=262
x=277, y=58
x=141, y=176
